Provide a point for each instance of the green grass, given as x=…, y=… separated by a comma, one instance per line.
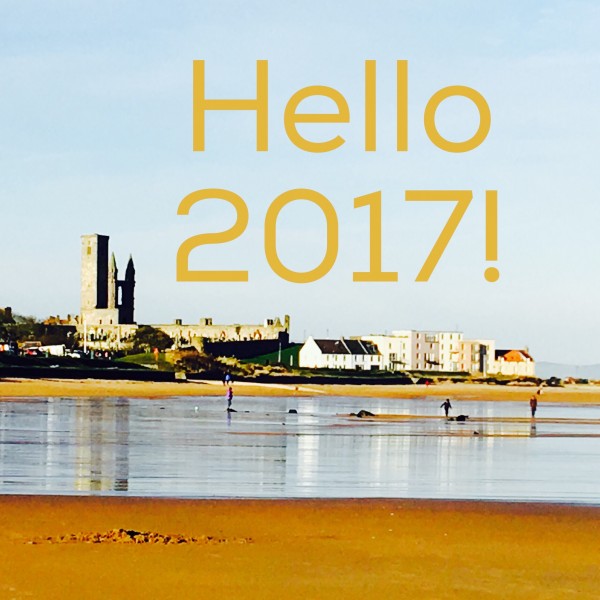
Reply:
x=289, y=357
x=147, y=359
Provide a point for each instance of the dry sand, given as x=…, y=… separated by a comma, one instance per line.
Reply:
x=23, y=388
x=300, y=549
x=308, y=549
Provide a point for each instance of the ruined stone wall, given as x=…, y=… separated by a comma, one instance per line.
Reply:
x=109, y=323
x=107, y=337
x=102, y=335
x=100, y=316
x=184, y=334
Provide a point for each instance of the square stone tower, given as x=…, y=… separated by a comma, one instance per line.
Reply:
x=94, y=272
x=104, y=299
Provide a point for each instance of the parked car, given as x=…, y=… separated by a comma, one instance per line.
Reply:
x=33, y=352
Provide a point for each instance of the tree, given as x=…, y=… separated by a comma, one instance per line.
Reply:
x=192, y=361
x=6, y=320
x=146, y=338
x=18, y=328
x=6, y=316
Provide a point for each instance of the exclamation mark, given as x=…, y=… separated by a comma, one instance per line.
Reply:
x=491, y=233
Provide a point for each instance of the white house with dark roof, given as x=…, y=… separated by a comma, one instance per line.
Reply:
x=340, y=354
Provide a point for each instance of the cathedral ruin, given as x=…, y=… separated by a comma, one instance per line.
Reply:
x=107, y=316
x=105, y=300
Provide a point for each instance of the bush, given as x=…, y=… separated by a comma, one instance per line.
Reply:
x=146, y=338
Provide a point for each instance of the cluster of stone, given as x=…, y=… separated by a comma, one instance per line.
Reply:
x=130, y=536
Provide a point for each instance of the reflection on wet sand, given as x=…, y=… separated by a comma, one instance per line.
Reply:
x=191, y=447
x=102, y=431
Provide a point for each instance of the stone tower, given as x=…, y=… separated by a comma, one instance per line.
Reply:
x=126, y=289
x=94, y=272
x=104, y=299
x=112, y=282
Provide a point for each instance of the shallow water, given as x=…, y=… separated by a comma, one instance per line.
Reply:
x=190, y=447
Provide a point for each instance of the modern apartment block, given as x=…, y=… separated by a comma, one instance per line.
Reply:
x=412, y=350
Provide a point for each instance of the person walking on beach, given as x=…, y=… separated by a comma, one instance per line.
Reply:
x=533, y=405
x=227, y=380
x=229, y=397
x=446, y=406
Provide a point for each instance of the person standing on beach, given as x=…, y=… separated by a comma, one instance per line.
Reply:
x=446, y=406
x=227, y=381
x=533, y=405
x=229, y=397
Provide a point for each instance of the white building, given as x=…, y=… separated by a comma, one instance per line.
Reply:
x=395, y=351
x=477, y=356
x=448, y=351
x=513, y=362
x=411, y=350
x=339, y=354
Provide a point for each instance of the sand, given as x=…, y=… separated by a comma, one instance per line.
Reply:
x=24, y=388
x=262, y=549
x=299, y=549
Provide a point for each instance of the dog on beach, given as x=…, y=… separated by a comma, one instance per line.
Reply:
x=459, y=418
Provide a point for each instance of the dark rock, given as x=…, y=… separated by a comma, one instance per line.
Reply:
x=361, y=414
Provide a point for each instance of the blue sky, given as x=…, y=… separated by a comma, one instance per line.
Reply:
x=96, y=137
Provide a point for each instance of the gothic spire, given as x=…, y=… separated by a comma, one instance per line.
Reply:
x=130, y=270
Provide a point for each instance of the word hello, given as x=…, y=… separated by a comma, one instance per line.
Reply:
x=291, y=116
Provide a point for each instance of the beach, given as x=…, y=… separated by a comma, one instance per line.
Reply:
x=299, y=549
x=93, y=388
x=112, y=546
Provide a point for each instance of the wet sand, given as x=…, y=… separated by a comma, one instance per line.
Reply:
x=17, y=388
x=300, y=549
x=262, y=549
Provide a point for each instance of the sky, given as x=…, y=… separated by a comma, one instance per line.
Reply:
x=96, y=137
